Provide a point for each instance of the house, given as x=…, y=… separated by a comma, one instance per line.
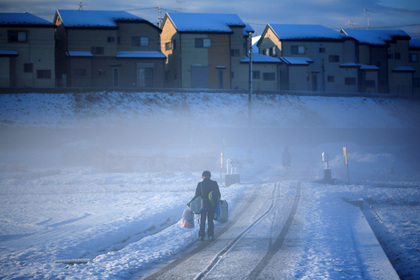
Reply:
x=107, y=49
x=264, y=68
x=205, y=51
x=315, y=58
x=414, y=56
x=26, y=51
x=387, y=50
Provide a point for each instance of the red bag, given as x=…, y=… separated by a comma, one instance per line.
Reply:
x=187, y=220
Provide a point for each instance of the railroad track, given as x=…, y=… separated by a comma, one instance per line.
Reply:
x=223, y=252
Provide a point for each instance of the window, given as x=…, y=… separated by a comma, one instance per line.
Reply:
x=268, y=76
x=397, y=56
x=137, y=41
x=28, y=67
x=273, y=51
x=18, y=36
x=267, y=52
x=234, y=52
x=390, y=56
x=322, y=50
x=43, y=74
x=413, y=58
x=256, y=75
x=370, y=83
x=334, y=58
x=168, y=46
x=97, y=50
x=416, y=82
x=298, y=49
x=111, y=39
x=350, y=81
x=79, y=72
x=202, y=43
x=144, y=41
x=330, y=79
x=101, y=72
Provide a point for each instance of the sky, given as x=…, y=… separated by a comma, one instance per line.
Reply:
x=335, y=14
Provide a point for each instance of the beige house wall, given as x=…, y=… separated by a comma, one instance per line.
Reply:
x=173, y=62
x=191, y=56
x=270, y=41
x=219, y=59
x=260, y=84
x=298, y=78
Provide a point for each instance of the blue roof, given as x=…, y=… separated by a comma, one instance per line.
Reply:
x=260, y=58
x=23, y=19
x=305, y=32
x=96, y=19
x=140, y=54
x=375, y=37
x=205, y=23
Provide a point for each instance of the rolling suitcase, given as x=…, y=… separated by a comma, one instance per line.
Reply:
x=222, y=211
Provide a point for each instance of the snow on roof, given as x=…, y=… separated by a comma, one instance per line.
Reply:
x=95, y=19
x=248, y=28
x=141, y=54
x=414, y=43
x=8, y=53
x=296, y=60
x=23, y=19
x=375, y=37
x=260, y=58
x=305, y=32
x=202, y=22
x=71, y=53
x=361, y=66
x=403, y=69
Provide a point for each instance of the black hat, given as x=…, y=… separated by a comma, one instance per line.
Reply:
x=206, y=174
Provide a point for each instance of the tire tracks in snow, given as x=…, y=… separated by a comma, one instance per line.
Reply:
x=271, y=251
x=201, y=246
x=280, y=239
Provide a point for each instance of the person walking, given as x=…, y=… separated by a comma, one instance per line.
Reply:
x=285, y=157
x=203, y=189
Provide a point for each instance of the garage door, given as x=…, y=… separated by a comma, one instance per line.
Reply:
x=199, y=76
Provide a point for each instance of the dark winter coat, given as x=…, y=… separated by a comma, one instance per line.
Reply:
x=205, y=187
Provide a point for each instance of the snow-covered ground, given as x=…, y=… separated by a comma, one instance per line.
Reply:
x=103, y=178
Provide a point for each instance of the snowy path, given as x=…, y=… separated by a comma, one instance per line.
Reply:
x=269, y=243
x=249, y=237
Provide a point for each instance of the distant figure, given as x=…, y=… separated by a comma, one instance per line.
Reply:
x=285, y=158
x=203, y=189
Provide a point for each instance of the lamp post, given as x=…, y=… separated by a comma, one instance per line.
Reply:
x=250, y=76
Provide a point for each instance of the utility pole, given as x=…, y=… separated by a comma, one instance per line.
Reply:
x=250, y=75
x=159, y=9
x=368, y=19
x=180, y=5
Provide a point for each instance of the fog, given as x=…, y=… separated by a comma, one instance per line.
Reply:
x=188, y=131
x=115, y=170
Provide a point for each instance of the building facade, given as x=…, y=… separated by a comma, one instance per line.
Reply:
x=111, y=49
x=26, y=51
x=316, y=58
x=388, y=50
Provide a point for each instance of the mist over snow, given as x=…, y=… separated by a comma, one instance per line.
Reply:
x=214, y=109
x=103, y=177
